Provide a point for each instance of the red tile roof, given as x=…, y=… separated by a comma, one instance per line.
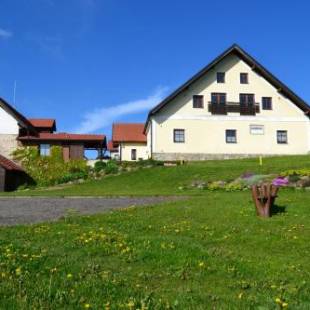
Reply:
x=128, y=133
x=9, y=164
x=62, y=136
x=111, y=147
x=42, y=122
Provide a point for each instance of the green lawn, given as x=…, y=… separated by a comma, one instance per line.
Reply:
x=167, y=180
x=208, y=251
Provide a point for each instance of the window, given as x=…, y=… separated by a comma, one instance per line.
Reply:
x=282, y=136
x=220, y=77
x=267, y=103
x=133, y=154
x=246, y=99
x=231, y=136
x=179, y=135
x=198, y=102
x=218, y=98
x=256, y=129
x=45, y=149
x=244, y=78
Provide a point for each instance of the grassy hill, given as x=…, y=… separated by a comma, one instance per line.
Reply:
x=167, y=180
x=208, y=251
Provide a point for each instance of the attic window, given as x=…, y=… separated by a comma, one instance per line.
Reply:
x=267, y=103
x=198, y=102
x=244, y=78
x=220, y=77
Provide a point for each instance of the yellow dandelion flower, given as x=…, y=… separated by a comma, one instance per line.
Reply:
x=201, y=264
x=86, y=306
x=278, y=300
x=69, y=276
x=18, y=271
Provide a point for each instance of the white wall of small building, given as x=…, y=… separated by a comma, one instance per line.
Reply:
x=8, y=134
x=141, y=149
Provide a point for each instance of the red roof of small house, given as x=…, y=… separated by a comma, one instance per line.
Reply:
x=42, y=122
x=8, y=164
x=112, y=147
x=128, y=132
x=45, y=123
x=63, y=136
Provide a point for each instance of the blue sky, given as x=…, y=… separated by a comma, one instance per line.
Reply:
x=90, y=62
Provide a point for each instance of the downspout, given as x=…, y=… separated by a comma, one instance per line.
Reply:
x=151, y=128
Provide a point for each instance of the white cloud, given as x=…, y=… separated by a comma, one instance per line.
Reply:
x=104, y=117
x=5, y=34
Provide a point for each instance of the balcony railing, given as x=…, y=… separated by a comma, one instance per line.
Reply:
x=233, y=107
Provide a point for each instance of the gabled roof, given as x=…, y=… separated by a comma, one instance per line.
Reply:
x=9, y=164
x=47, y=123
x=22, y=120
x=128, y=132
x=254, y=64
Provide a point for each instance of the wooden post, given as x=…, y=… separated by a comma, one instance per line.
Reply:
x=264, y=197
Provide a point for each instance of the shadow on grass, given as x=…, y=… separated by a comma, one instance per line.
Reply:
x=276, y=209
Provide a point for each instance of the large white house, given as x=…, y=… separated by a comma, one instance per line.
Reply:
x=233, y=107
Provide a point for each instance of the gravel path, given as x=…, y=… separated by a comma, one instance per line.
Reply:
x=15, y=211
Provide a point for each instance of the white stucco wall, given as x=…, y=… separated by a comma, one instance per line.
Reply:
x=8, y=124
x=205, y=133
x=8, y=134
x=142, y=151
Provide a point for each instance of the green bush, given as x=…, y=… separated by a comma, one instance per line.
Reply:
x=111, y=167
x=50, y=170
x=301, y=172
x=99, y=166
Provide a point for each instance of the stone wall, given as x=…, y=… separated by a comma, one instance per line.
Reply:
x=8, y=144
x=201, y=156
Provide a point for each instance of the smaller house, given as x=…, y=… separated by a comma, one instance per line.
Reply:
x=17, y=130
x=130, y=141
x=73, y=145
x=11, y=175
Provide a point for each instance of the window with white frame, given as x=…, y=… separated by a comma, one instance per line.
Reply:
x=231, y=136
x=256, y=129
x=178, y=135
x=45, y=149
x=281, y=136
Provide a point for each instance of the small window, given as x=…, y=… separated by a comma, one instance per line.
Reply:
x=256, y=129
x=231, y=136
x=267, y=103
x=282, y=136
x=244, y=78
x=179, y=135
x=45, y=149
x=218, y=98
x=133, y=154
x=198, y=102
x=220, y=77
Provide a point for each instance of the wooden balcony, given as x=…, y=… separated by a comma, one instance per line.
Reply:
x=232, y=107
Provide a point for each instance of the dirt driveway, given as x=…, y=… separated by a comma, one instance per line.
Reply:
x=15, y=211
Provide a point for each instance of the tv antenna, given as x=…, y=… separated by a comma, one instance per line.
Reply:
x=14, y=95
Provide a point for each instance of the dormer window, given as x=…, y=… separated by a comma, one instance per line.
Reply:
x=220, y=77
x=244, y=78
x=198, y=102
